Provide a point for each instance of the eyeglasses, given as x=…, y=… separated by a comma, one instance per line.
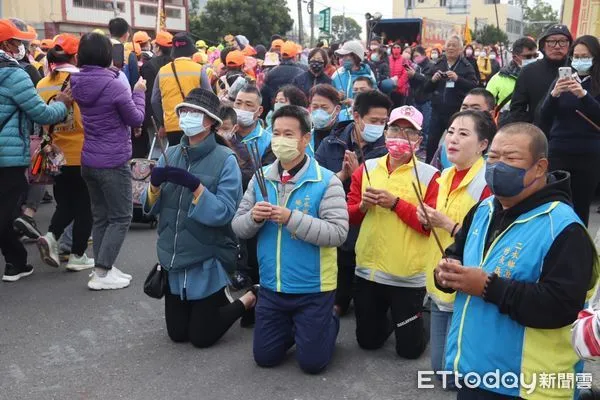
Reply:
x=406, y=130
x=560, y=43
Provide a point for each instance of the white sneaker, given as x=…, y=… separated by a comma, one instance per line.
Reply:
x=110, y=281
x=121, y=274
x=48, y=247
x=79, y=263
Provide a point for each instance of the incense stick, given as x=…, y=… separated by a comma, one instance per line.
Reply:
x=414, y=160
x=160, y=143
x=582, y=115
x=437, y=239
x=258, y=172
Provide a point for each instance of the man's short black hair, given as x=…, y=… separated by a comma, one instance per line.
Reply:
x=94, y=49
x=523, y=43
x=296, y=112
x=538, y=146
x=363, y=102
x=421, y=50
x=490, y=100
x=228, y=113
x=118, y=27
x=364, y=79
x=276, y=37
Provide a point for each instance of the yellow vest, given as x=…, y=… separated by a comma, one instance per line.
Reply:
x=68, y=135
x=388, y=250
x=455, y=205
x=189, y=74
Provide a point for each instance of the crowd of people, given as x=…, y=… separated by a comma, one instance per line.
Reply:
x=444, y=191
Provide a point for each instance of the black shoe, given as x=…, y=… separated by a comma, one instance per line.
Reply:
x=25, y=225
x=240, y=281
x=249, y=317
x=13, y=273
x=47, y=198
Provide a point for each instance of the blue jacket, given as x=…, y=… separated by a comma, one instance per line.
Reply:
x=504, y=344
x=262, y=136
x=289, y=265
x=568, y=132
x=343, y=79
x=20, y=106
x=196, y=243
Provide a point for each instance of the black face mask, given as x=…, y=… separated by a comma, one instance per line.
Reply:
x=317, y=66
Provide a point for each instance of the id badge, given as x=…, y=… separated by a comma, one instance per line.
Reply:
x=450, y=84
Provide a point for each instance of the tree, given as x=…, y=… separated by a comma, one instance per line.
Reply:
x=256, y=19
x=352, y=29
x=491, y=35
x=538, y=17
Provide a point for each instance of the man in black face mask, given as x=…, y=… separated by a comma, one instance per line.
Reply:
x=521, y=265
x=317, y=62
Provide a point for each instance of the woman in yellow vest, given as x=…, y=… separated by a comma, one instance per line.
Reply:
x=392, y=247
x=485, y=66
x=70, y=190
x=460, y=188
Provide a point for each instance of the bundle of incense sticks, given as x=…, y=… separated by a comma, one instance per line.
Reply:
x=160, y=143
x=258, y=170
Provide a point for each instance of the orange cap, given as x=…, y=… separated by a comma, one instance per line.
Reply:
x=164, y=39
x=36, y=42
x=69, y=43
x=31, y=29
x=249, y=51
x=135, y=47
x=277, y=44
x=235, y=59
x=141, y=37
x=289, y=49
x=8, y=31
x=200, y=58
x=46, y=44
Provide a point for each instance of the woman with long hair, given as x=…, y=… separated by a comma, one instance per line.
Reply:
x=571, y=111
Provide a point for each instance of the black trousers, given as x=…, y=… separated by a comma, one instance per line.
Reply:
x=72, y=205
x=479, y=394
x=248, y=259
x=140, y=145
x=373, y=327
x=12, y=189
x=585, y=176
x=202, y=322
x=346, y=260
x=174, y=137
x=439, y=123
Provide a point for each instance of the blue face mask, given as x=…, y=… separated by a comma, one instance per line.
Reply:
x=371, y=133
x=505, y=180
x=320, y=118
x=348, y=64
x=191, y=123
x=582, y=65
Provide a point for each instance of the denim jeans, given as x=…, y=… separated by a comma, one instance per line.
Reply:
x=112, y=209
x=440, y=324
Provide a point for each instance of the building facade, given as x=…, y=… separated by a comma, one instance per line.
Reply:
x=582, y=17
x=479, y=12
x=51, y=17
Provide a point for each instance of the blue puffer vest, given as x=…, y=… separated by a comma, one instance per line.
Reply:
x=184, y=243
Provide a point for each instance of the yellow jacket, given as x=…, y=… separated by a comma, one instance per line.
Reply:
x=485, y=67
x=388, y=250
x=189, y=74
x=455, y=205
x=68, y=135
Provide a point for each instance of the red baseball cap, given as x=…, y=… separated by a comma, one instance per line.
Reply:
x=8, y=31
x=69, y=43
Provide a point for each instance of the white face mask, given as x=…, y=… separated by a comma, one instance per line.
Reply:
x=244, y=118
x=21, y=54
x=492, y=56
x=527, y=61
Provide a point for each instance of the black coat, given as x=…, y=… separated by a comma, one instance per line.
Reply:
x=448, y=100
x=149, y=71
x=381, y=69
x=417, y=82
x=533, y=83
x=279, y=76
x=307, y=80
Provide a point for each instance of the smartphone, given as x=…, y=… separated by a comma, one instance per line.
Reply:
x=564, y=72
x=118, y=54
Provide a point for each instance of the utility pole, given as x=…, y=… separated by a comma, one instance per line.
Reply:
x=343, y=24
x=312, y=23
x=300, y=30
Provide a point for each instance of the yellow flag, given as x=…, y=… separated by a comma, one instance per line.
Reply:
x=467, y=35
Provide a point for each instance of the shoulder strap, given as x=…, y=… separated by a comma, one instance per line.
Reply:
x=62, y=89
x=177, y=80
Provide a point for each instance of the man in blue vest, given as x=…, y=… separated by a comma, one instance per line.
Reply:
x=522, y=266
x=299, y=216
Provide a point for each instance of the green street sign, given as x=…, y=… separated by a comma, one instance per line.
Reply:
x=325, y=20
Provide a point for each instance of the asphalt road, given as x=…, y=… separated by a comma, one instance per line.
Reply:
x=59, y=340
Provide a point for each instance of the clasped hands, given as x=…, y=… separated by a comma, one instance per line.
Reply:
x=451, y=274
x=376, y=197
x=263, y=211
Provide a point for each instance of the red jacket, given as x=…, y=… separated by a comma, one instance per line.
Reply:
x=397, y=69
